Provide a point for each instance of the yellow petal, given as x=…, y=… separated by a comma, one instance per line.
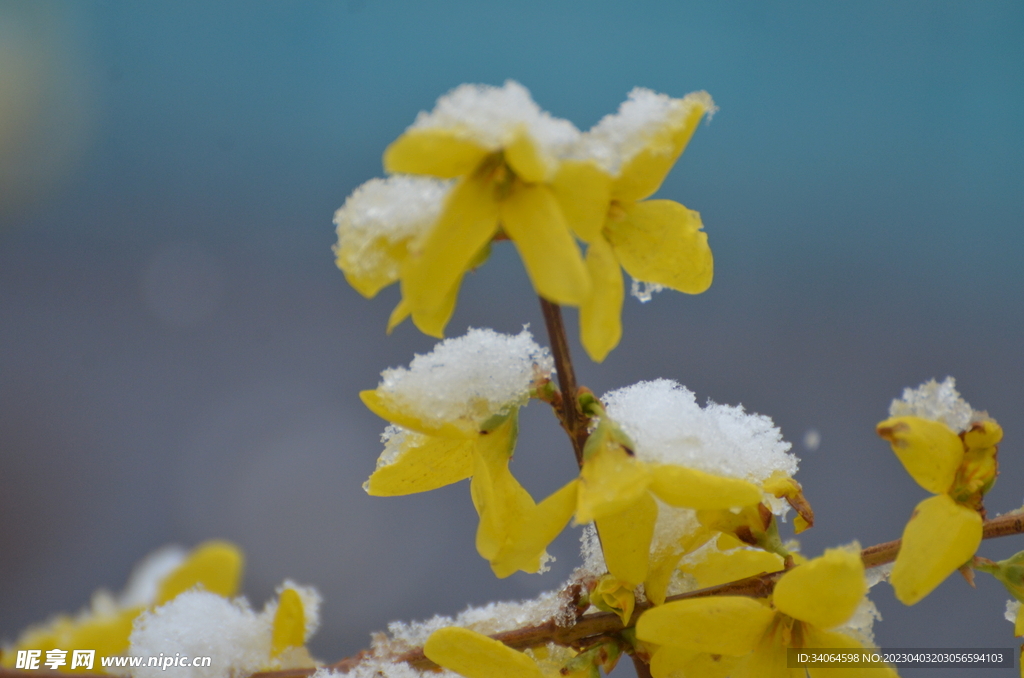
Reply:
x=983, y=434
x=661, y=566
x=660, y=241
x=929, y=450
x=526, y=159
x=626, y=539
x=643, y=174
x=514, y=531
x=690, y=488
x=1018, y=624
x=215, y=565
x=723, y=567
x=108, y=635
x=769, y=657
x=474, y=655
x=431, y=322
x=422, y=463
x=467, y=223
x=437, y=152
x=532, y=218
x=730, y=625
x=400, y=313
x=674, y=662
x=610, y=481
x=498, y=497
x=388, y=409
x=529, y=538
x=289, y=629
x=825, y=591
x=583, y=191
x=817, y=639
x=940, y=537
x=664, y=560
x=601, y=313
x=613, y=595
x=368, y=281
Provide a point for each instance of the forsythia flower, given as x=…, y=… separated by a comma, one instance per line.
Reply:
x=504, y=152
x=747, y=638
x=378, y=226
x=240, y=640
x=214, y=566
x=945, y=530
x=622, y=161
x=455, y=412
x=658, y=466
x=617, y=492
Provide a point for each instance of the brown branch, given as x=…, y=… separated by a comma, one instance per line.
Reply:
x=572, y=417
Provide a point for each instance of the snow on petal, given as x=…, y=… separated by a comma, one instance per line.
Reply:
x=938, y=402
x=466, y=380
x=667, y=426
x=494, y=117
x=378, y=222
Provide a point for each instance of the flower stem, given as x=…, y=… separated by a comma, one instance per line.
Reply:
x=571, y=415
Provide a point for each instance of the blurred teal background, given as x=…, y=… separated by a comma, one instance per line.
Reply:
x=179, y=358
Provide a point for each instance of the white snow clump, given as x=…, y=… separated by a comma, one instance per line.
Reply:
x=641, y=122
x=470, y=377
x=939, y=402
x=238, y=640
x=494, y=116
x=667, y=426
x=488, y=620
x=382, y=668
x=382, y=216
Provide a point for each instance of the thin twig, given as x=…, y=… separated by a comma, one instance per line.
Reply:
x=572, y=417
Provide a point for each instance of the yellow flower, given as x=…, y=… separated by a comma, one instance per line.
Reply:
x=455, y=413
x=475, y=655
x=379, y=224
x=944, y=530
x=624, y=160
x=214, y=566
x=503, y=152
x=750, y=637
x=612, y=595
x=617, y=491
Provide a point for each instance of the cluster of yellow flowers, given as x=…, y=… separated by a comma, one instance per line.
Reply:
x=212, y=572
x=500, y=169
x=522, y=175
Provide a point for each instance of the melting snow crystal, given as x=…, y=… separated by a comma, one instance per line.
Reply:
x=939, y=402
x=381, y=215
x=641, y=120
x=667, y=426
x=493, y=116
x=469, y=377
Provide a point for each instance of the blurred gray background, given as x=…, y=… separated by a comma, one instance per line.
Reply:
x=179, y=357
